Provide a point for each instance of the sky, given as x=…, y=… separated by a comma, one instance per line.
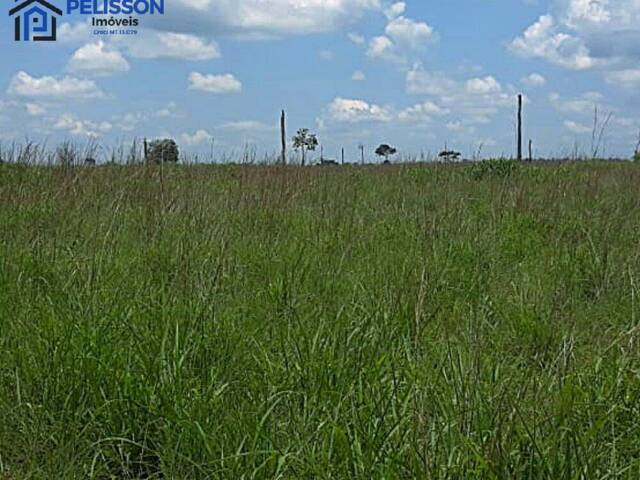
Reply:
x=418, y=75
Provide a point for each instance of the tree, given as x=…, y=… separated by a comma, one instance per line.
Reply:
x=449, y=155
x=305, y=141
x=385, y=151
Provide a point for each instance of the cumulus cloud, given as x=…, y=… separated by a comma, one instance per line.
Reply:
x=423, y=112
x=97, y=59
x=402, y=35
x=395, y=10
x=195, y=138
x=355, y=111
x=35, y=109
x=576, y=128
x=534, y=80
x=478, y=99
x=544, y=40
x=219, y=84
x=585, y=34
x=581, y=105
x=82, y=128
x=263, y=17
x=358, y=76
x=408, y=32
x=357, y=39
x=172, y=45
x=247, y=125
x=382, y=48
x=24, y=85
x=629, y=78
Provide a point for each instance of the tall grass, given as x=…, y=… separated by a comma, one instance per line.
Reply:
x=266, y=322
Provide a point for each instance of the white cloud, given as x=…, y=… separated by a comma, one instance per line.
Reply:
x=74, y=33
x=354, y=111
x=24, y=85
x=410, y=33
x=327, y=55
x=423, y=112
x=220, y=84
x=534, y=80
x=382, y=48
x=477, y=98
x=97, y=59
x=358, y=76
x=576, y=127
x=83, y=128
x=172, y=45
x=544, y=40
x=247, y=125
x=629, y=78
x=264, y=17
x=584, y=104
x=35, y=109
x=402, y=36
x=483, y=85
x=395, y=10
x=357, y=39
x=582, y=34
x=168, y=111
x=195, y=138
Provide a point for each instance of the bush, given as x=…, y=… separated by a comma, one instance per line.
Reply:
x=498, y=168
x=160, y=151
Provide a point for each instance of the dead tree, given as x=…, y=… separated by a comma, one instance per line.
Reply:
x=283, y=138
x=598, y=132
x=519, y=128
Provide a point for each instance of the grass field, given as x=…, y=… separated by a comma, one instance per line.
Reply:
x=462, y=322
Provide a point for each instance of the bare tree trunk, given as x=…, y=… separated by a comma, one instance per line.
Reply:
x=283, y=137
x=303, y=155
x=519, y=128
x=146, y=150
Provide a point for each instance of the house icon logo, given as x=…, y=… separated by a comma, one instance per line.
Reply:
x=35, y=20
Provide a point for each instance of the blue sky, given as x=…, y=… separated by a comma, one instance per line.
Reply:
x=415, y=74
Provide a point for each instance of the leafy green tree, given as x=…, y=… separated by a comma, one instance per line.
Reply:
x=305, y=141
x=385, y=151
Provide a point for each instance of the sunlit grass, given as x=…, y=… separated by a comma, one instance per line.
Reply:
x=261, y=322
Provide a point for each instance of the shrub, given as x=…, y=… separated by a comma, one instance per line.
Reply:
x=498, y=168
x=165, y=150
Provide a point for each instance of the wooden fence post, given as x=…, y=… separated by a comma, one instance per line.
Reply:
x=283, y=138
x=519, y=128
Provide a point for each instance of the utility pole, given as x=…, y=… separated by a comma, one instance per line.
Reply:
x=361, y=153
x=343, y=156
x=530, y=150
x=283, y=137
x=520, y=128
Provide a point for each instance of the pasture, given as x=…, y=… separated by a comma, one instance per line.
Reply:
x=227, y=322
